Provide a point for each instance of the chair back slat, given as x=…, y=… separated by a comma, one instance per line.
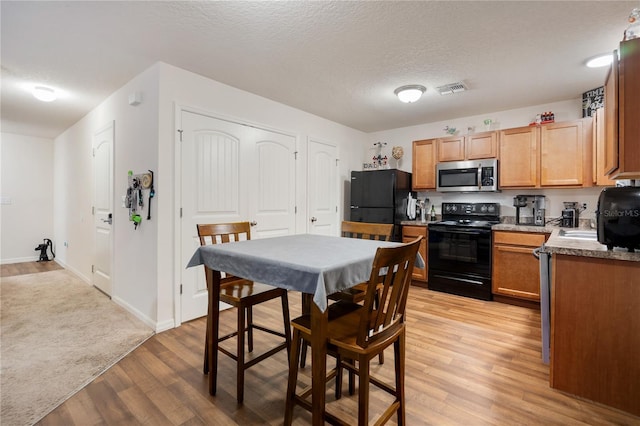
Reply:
x=219, y=233
x=367, y=231
x=392, y=270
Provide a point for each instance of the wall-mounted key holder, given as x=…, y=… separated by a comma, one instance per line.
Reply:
x=138, y=185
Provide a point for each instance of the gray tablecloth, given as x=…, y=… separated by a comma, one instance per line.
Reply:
x=314, y=264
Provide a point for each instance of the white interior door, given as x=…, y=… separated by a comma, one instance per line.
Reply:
x=272, y=184
x=230, y=173
x=103, y=208
x=322, y=188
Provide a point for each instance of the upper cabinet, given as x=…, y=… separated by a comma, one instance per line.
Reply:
x=565, y=153
x=518, y=164
x=424, y=164
x=600, y=177
x=611, y=117
x=471, y=147
x=622, y=109
x=552, y=155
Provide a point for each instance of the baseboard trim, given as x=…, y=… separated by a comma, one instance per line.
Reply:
x=142, y=317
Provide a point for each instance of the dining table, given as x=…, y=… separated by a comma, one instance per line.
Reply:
x=315, y=265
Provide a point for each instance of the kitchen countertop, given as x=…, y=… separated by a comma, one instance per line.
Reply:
x=589, y=248
x=560, y=245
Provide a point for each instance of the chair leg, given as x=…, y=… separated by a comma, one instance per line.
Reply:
x=363, y=391
x=240, y=355
x=399, y=352
x=303, y=356
x=287, y=322
x=293, y=376
x=306, y=300
x=338, y=377
x=205, y=367
x=249, y=327
x=352, y=386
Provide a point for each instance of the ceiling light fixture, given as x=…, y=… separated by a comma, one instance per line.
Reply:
x=410, y=93
x=600, y=61
x=44, y=94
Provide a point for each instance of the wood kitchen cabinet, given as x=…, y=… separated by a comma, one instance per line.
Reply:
x=565, y=153
x=410, y=233
x=470, y=147
x=424, y=164
x=552, y=155
x=600, y=176
x=622, y=109
x=595, y=330
x=516, y=273
x=518, y=163
x=611, y=117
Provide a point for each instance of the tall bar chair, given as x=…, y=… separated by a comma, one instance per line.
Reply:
x=356, y=294
x=243, y=295
x=363, y=334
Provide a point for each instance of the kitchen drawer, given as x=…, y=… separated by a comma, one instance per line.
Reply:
x=519, y=238
x=413, y=232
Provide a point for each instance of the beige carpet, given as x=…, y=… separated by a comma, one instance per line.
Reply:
x=57, y=335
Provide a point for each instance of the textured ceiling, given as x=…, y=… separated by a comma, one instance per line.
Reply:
x=339, y=60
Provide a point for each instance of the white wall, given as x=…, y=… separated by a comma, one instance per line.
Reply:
x=146, y=271
x=147, y=262
x=26, y=213
x=564, y=111
x=136, y=148
x=182, y=88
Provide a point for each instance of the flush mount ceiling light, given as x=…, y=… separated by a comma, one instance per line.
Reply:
x=410, y=93
x=600, y=61
x=44, y=94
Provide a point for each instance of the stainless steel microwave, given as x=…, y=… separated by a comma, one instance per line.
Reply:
x=467, y=176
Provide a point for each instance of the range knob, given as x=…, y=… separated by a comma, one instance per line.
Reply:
x=483, y=209
x=492, y=208
x=454, y=208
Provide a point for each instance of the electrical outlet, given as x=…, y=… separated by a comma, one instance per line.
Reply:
x=66, y=244
x=584, y=206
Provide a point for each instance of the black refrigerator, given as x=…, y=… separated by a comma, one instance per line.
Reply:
x=380, y=196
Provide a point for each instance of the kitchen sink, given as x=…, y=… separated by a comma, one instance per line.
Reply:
x=580, y=234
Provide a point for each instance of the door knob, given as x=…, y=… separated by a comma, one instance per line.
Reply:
x=109, y=219
x=253, y=223
x=313, y=219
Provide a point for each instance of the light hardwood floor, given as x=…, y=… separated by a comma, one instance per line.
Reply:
x=12, y=269
x=468, y=362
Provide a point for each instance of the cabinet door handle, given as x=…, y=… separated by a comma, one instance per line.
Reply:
x=313, y=219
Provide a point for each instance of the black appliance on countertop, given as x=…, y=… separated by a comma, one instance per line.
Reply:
x=618, y=217
x=570, y=215
x=460, y=249
x=380, y=196
x=534, y=203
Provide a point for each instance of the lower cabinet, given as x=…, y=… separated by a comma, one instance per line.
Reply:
x=410, y=233
x=516, y=273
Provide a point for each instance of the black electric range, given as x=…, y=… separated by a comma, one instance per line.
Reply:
x=460, y=249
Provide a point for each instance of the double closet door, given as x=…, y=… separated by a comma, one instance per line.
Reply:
x=231, y=172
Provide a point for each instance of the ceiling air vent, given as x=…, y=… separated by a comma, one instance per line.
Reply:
x=450, y=89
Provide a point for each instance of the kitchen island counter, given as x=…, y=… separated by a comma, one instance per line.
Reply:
x=587, y=248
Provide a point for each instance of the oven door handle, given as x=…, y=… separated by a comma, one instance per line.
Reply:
x=465, y=232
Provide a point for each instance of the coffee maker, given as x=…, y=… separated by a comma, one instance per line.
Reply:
x=536, y=203
x=570, y=215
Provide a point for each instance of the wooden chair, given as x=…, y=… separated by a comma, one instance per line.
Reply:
x=355, y=294
x=366, y=231
x=243, y=295
x=363, y=334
